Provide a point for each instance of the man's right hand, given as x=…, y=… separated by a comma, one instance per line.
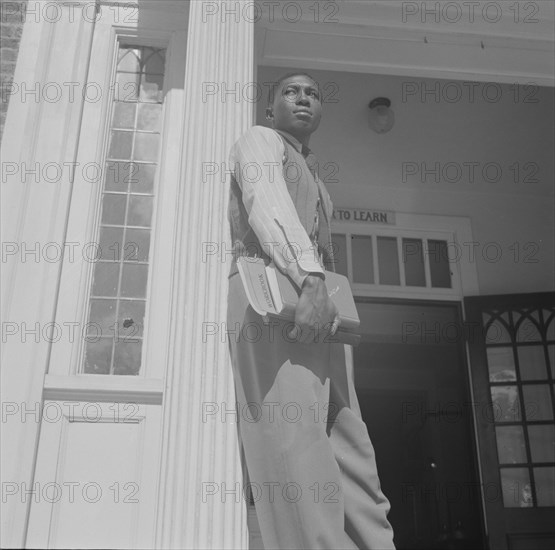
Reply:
x=316, y=315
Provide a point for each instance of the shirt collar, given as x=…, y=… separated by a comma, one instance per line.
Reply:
x=294, y=141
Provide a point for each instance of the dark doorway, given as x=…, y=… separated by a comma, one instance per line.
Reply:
x=412, y=385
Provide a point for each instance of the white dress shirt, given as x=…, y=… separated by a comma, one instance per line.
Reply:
x=257, y=158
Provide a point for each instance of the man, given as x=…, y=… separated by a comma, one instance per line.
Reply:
x=310, y=461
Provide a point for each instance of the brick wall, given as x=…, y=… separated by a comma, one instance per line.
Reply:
x=12, y=17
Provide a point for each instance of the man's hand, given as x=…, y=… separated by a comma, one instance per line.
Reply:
x=315, y=312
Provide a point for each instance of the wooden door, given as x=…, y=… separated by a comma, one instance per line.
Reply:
x=512, y=348
x=97, y=471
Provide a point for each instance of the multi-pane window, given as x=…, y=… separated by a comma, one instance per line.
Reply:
x=118, y=294
x=520, y=346
x=387, y=260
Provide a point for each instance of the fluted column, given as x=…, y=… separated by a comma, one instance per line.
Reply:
x=198, y=451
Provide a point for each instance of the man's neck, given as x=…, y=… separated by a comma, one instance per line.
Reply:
x=299, y=143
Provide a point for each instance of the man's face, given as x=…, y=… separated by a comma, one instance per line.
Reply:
x=297, y=108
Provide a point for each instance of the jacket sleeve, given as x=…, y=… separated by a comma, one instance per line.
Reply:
x=257, y=161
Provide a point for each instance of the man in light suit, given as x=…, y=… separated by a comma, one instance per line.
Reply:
x=310, y=461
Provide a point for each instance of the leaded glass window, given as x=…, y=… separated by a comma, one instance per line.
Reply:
x=519, y=348
x=118, y=296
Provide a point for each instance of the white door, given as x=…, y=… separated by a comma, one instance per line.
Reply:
x=98, y=456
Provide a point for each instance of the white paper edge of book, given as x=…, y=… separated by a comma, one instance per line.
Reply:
x=247, y=286
x=274, y=287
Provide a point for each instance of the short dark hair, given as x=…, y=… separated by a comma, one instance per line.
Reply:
x=275, y=85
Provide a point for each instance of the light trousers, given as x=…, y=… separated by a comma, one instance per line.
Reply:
x=311, y=465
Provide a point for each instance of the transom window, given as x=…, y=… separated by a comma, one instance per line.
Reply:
x=394, y=260
x=118, y=296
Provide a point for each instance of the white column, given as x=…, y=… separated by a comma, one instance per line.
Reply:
x=197, y=451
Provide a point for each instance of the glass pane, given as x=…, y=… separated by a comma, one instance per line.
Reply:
x=149, y=117
x=105, y=279
x=131, y=320
x=413, y=258
x=340, y=253
x=110, y=243
x=134, y=280
x=127, y=358
x=531, y=362
x=146, y=147
x=102, y=317
x=142, y=178
x=137, y=245
x=506, y=403
x=440, y=269
x=549, y=320
x=363, y=263
x=388, y=261
x=545, y=486
x=117, y=176
x=153, y=61
x=128, y=60
x=501, y=364
x=113, y=209
x=537, y=402
x=542, y=443
x=124, y=115
x=121, y=144
x=527, y=330
x=127, y=87
x=151, y=88
x=98, y=356
x=497, y=333
x=140, y=211
x=511, y=447
x=517, y=491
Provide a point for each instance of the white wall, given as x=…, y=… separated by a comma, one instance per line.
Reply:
x=514, y=126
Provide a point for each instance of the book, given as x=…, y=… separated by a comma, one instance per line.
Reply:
x=271, y=292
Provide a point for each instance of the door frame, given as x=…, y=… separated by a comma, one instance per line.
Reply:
x=463, y=359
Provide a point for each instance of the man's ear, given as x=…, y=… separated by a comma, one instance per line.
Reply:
x=269, y=113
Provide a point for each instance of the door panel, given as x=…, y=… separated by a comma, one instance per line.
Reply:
x=93, y=486
x=511, y=345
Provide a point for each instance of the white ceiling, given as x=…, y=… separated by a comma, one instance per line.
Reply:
x=505, y=41
x=486, y=18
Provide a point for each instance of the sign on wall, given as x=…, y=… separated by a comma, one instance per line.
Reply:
x=363, y=215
